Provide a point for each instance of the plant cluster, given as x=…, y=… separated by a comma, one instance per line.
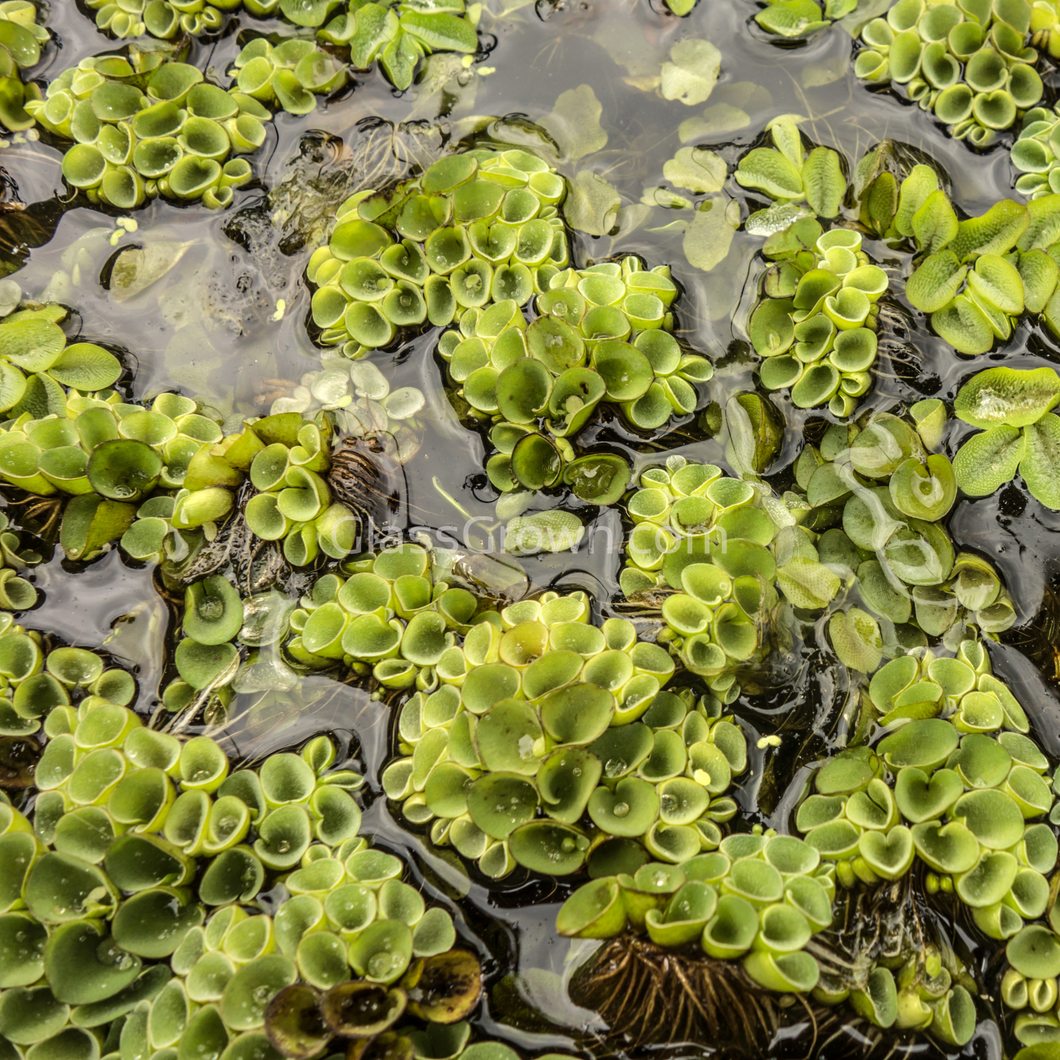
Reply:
x=148, y=125
x=107, y=456
x=816, y=327
x=792, y=176
x=21, y=40
x=290, y=75
x=968, y=62
x=36, y=363
x=474, y=228
x=958, y=794
x=1019, y=432
x=1034, y=155
x=166, y=19
x=108, y=881
x=709, y=545
x=603, y=335
x=399, y=33
x=800, y=18
x=36, y=680
x=1030, y=983
x=548, y=741
x=757, y=899
x=16, y=593
x=878, y=497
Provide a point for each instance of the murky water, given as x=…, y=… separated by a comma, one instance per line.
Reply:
x=213, y=327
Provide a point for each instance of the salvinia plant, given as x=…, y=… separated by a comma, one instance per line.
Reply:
x=1019, y=432
x=399, y=33
x=878, y=497
x=801, y=18
x=551, y=741
x=21, y=41
x=970, y=63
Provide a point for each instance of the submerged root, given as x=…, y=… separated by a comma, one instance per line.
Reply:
x=365, y=476
x=654, y=996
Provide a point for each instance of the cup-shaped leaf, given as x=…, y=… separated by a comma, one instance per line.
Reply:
x=294, y=1023
x=123, y=470
x=732, y=929
x=549, y=847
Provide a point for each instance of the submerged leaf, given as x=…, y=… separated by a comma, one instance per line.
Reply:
x=692, y=71
x=592, y=205
x=696, y=169
x=575, y=123
x=710, y=234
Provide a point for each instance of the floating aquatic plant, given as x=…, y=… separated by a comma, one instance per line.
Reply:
x=816, y=327
x=713, y=547
x=959, y=792
x=147, y=126
x=879, y=496
x=475, y=228
x=757, y=899
x=290, y=75
x=1034, y=156
x=800, y=18
x=1020, y=433
x=602, y=337
x=970, y=63
x=539, y=718
x=21, y=40
x=399, y=33
x=167, y=19
x=791, y=176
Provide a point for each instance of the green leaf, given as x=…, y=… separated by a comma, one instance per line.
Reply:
x=964, y=326
x=399, y=59
x=916, y=188
x=86, y=366
x=935, y=282
x=709, y=236
x=996, y=232
x=376, y=27
x=575, y=123
x=692, y=71
x=592, y=205
x=1009, y=396
x=769, y=171
x=791, y=18
x=935, y=223
x=987, y=461
x=1040, y=466
x=441, y=32
x=551, y=531
x=823, y=181
x=136, y=268
x=308, y=12
x=696, y=169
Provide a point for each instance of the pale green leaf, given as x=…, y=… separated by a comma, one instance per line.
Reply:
x=987, y=461
x=691, y=72
x=710, y=234
x=136, y=268
x=696, y=169
x=1040, y=466
x=823, y=181
x=86, y=366
x=575, y=123
x=1009, y=396
x=592, y=204
x=717, y=120
x=856, y=639
x=551, y=531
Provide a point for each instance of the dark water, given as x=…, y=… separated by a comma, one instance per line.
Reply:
x=211, y=327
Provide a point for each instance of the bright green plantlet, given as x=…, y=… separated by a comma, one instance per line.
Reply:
x=790, y=175
x=167, y=19
x=148, y=126
x=705, y=553
x=1021, y=433
x=35, y=682
x=474, y=229
x=759, y=899
x=399, y=33
x=290, y=75
x=36, y=361
x=554, y=719
x=972, y=66
x=21, y=40
x=879, y=498
x=815, y=327
x=956, y=785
